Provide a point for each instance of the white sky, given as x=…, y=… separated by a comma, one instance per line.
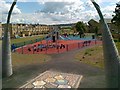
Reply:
x=57, y=11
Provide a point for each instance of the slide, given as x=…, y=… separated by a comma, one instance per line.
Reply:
x=64, y=38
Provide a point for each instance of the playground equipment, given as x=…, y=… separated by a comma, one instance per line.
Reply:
x=56, y=43
x=54, y=37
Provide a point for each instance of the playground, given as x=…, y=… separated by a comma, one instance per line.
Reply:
x=57, y=44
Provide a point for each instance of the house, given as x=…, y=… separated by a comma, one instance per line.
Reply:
x=23, y=30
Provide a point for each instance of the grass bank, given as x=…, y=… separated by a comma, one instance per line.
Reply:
x=94, y=56
x=25, y=39
x=118, y=46
x=25, y=68
x=22, y=60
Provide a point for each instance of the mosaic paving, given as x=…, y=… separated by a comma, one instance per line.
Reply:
x=52, y=79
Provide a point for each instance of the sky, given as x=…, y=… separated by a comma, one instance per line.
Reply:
x=55, y=11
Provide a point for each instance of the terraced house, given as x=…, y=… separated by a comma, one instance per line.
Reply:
x=22, y=30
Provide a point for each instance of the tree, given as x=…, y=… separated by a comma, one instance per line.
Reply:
x=96, y=31
x=116, y=19
x=6, y=47
x=80, y=27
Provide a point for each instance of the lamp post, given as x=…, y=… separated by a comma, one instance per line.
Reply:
x=6, y=47
x=111, y=56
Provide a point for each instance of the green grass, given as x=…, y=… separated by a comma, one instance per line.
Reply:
x=94, y=56
x=118, y=46
x=25, y=68
x=27, y=59
x=22, y=60
x=25, y=39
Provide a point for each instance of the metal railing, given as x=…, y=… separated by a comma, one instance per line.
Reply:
x=55, y=48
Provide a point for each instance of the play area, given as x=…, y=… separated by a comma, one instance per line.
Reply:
x=56, y=43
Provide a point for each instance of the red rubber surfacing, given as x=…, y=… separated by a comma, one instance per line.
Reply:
x=69, y=45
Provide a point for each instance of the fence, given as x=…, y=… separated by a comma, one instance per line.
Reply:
x=59, y=48
x=21, y=44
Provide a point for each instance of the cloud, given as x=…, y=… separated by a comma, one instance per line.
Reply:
x=52, y=7
x=53, y=18
x=4, y=8
x=109, y=8
x=62, y=6
x=61, y=11
x=109, y=1
x=119, y=2
x=21, y=0
x=108, y=11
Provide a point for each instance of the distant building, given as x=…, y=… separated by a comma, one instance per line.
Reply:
x=113, y=28
x=92, y=25
x=23, y=30
x=67, y=28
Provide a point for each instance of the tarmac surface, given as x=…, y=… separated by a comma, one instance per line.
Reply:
x=93, y=77
x=65, y=62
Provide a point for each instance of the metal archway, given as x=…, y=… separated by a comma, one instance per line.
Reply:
x=111, y=56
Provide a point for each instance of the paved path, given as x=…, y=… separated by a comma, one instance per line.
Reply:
x=92, y=77
x=52, y=79
x=66, y=62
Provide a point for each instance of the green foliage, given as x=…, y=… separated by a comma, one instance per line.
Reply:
x=96, y=30
x=116, y=17
x=86, y=53
x=92, y=56
x=33, y=38
x=80, y=27
x=118, y=46
x=25, y=41
x=69, y=28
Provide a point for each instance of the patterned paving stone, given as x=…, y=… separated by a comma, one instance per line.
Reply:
x=59, y=77
x=64, y=86
x=51, y=85
x=30, y=86
x=72, y=79
x=52, y=79
x=61, y=82
x=39, y=83
x=39, y=87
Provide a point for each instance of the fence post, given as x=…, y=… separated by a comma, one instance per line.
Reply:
x=24, y=43
x=31, y=42
x=33, y=49
x=22, y=49
x=95, y=41
x=78, y=45
x=58, y=49
x=46, y=48
x=67, y=47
